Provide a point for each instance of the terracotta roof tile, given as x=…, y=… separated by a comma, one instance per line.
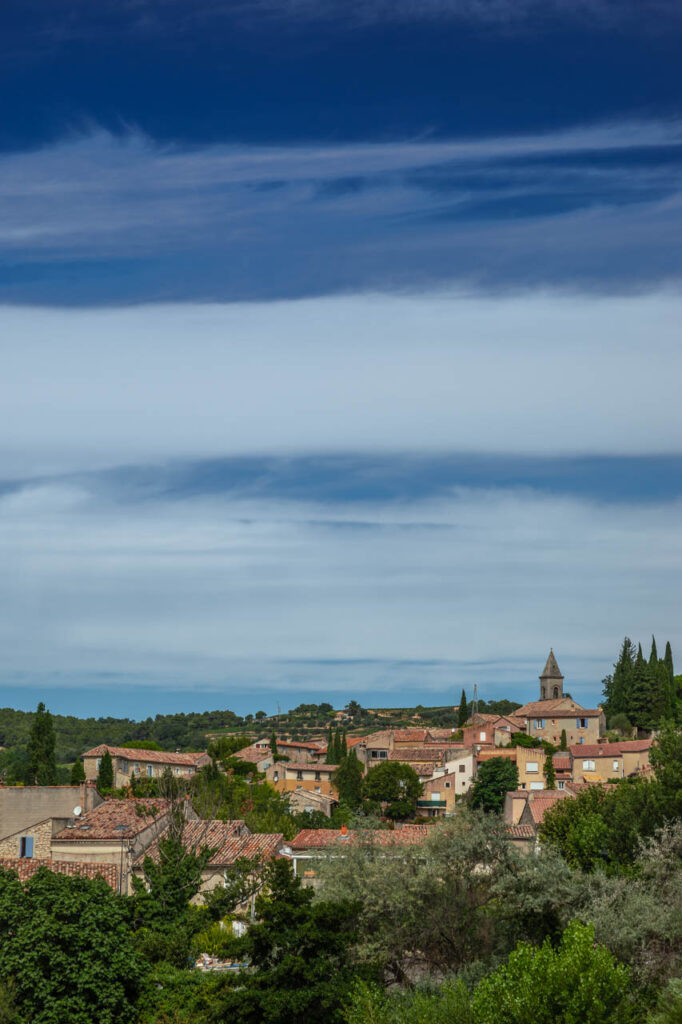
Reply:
x=25, y=867
x=554, y=709
x=521, y=831
x=230, y=840
x=309, y=838
x=114, y=819
x=415, y=736
x=149, y=756
x=542, y=801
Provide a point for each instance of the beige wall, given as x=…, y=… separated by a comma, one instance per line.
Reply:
x=514, y=806
x=41, y=833
x=124, y=770
x=553, y=725
x=607, y=768
x=526, y=759
x=462, y=769
x=23, y=806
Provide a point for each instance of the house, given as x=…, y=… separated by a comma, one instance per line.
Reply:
x=115, y=832
x=529, y=761
x=460, y=766
x=555, y=713
x=438, y=796
x=313, y=844
x=286, y=776
x=31, y=815
x=439, y=736
x=297, y=751
x=374, y=748
x=409, y=738
x=417, y=757
x=260, y=757
x=563, y=771
x=537, y=805
x=130, y=763
x=229, y=840
x=306, y=800
x=607, y=762
x=514, y=805
x=522, y=837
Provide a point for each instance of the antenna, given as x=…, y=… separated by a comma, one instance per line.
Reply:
x=77, y=811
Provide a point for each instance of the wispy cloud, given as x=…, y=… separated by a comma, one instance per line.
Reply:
x=125, y=219
x=232, y=592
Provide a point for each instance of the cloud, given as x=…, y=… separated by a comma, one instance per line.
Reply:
x=441, y=372
x=224, y=593
x=101, y=220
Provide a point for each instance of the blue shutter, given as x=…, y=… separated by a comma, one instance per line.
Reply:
x=26, y=846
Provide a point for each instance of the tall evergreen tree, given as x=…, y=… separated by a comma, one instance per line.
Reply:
x=343, y=749
x=653, y=657
x=463, y=713
x=336, y=747
x=273, y=744
x=77, y=773
x=668, y=660
x=330, y=747
x=617, y=686
x=42, y=769
x=105, y=776
x=550, y=777
x=563, y=743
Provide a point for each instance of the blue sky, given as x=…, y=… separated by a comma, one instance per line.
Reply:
x=340, y=348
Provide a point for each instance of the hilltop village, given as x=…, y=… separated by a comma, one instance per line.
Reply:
x=553, y=747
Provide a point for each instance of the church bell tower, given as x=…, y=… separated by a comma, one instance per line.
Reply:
x=551, y=680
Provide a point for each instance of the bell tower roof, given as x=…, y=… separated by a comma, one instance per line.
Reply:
x=551, y=669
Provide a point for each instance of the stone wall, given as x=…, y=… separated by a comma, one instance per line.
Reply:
x=41, y=834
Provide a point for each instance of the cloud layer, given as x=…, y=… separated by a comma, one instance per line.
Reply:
x=98, y=219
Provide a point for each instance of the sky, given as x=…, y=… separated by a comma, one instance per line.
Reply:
x=339, y=349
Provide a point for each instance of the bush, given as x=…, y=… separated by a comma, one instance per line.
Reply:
x=577, y=983
x=669, y=1009
x=448, y=1004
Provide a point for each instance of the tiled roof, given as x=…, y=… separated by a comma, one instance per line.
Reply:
x=562, y=764
x=579, y=750
x=253, y=754
x=301, y=746
x=27, y=866
x=114, y=819
x=488, y=755
x=542, y=801
x=634, y=746
x=148, y=756
x=422, y=755
x=230, y=840
x=378, y=739
x=309, y=838
x=415, y=736
x=438, y=735
x=521, y=831
x=554, y=709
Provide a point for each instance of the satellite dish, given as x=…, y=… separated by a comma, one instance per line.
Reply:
x=77, y=811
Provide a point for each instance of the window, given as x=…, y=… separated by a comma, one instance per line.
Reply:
x=462, y=767
x=435, y=795
x=616, y=766
x=318, y=777
x=536, y=785
x=98, y=763
x=136, y=768
x=581, y=740
x=383, y=753
x=299, y=776
x=481, y=737
x=539, y=723
x=26, y=846
x=123, y=766
x=581, y=723
x=588, y=766
x=150, y=770
x=275, y=777
x=560, y=784
x=317, y=789
x=532, y=766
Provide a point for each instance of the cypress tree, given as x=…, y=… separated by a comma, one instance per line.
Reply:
x=344, y=746
x=668, y=661
x=77, y=773
x=336, y=748
x=653, y=657
x=330, y=743
x=463, y=711
x=563, y=743
x=105, y=777
x=42, y=769
x=639, y=698
x=617, y=686
x=273, y=744
x=550, y=778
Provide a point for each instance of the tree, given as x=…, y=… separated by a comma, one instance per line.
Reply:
x=495, y=779
x=617, y=687
x=330, y=746
x=273, y=744
x=343, y=746
x=353, y=708
x=105, y=775
x=299, y=953
x=578, y=981
x=348, y=780
x=639, y=698
x=668, y=661
x=463, y=712
x=395, y=784
x=550, y=777
x=77, y=772
x=260, y=715
x=563, y=743
x=666, y=760
x=41, y=743
x=67, y=946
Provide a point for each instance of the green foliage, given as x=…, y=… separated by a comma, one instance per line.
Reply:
x=550, y=776
x=621, y=723
x=395, y=784
x=669, y=1008
x=174, y=996
x=273, y=744
x=347, y=780
x=67, y=947
x=522, y=739
x=463, y=711
x=299, y=951
x=494, y=780
x=8, y=1006
x=563, y=743
x=666, y=759
x=140, y=745
x=77, y=773
x=447, y=1004
x=42, y=769
x=577, y=983
x=105, y=775
x=642, y=690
